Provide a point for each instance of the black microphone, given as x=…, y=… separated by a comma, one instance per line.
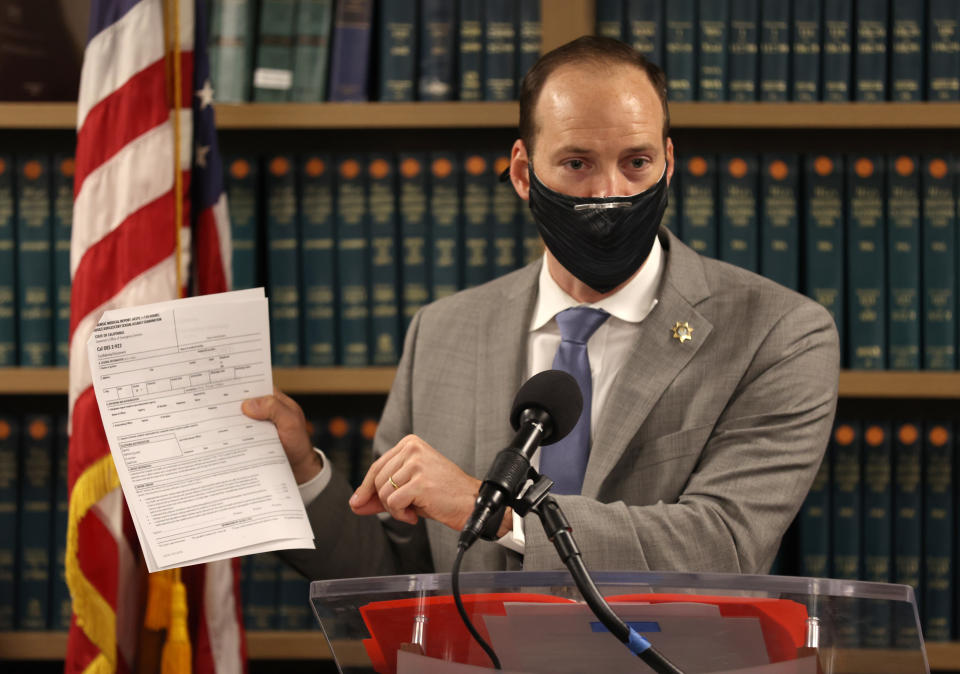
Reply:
x=545, y=410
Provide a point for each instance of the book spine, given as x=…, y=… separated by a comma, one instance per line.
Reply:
x=350, y=57
x=283, y=249
x=712, y=34
x=339, y=441
x=293, y=600
x=739, y=236
x=311, y=46
x=9, y=486
x=60, y=606
x=938, y=532
x=36, y=523
x=837, y=49
x=742, y=46
x=645, y=28
x=231, y=47
x=260, y=606
x=680, y=53
x=364, y=450
x=500, y=27
x=671, y=214
x=444, y=223
x=774, y=50
x=903, y=258
x=907, y=522
x=939, y=264
x=814, y=525
x=824, y=235
x=698, y=184
x=877, y=529
x=384, y=312
x=470, y=46
x=871, y=59
x=63, y=166
x=413, y=234
x=8, y=254
x=866, y=263
x=437, y=44
x=847, y=552
x=943, y=50
x=273, y=76
x=317, y=260
x=477, y=219
x=352, y=241
x=610, y=21
x=907, y=51
x=779, y=229
x=507, y=223
x=243, y=202
x=529, y=38
x=398, y=50
x=34, y=268
x=807, y=35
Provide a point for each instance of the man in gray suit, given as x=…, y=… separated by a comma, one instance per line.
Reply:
x=713, y=389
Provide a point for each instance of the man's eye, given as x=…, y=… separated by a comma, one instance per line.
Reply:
x=575, y=164
x=638, y=162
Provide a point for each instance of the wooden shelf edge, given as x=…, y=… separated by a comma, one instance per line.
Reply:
x=332, y=380
x=33, y=380
x=908, y=385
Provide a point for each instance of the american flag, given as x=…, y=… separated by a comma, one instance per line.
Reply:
x=124, y=252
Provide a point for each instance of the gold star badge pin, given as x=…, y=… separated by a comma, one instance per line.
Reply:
x=682, y=331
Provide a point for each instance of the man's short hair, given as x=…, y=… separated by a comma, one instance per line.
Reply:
x=589, y=49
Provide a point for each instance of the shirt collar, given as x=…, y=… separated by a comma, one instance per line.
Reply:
x=631, y=303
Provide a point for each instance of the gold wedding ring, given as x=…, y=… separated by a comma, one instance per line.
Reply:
x=392, y=483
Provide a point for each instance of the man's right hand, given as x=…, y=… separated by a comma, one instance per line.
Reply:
x=291, y=425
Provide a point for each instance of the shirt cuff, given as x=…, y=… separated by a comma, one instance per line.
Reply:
x=514, y=539
x=311, y=489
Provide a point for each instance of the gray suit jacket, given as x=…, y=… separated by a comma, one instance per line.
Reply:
x=701, y=457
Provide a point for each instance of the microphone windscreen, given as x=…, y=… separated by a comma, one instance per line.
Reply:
x=556, y=393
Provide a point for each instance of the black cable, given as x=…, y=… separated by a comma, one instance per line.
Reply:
x=455, y=581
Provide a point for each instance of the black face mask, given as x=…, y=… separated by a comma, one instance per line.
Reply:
x=601, y=241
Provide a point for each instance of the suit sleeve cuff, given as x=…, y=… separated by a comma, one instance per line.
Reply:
x=311, y=489
x=514, y=539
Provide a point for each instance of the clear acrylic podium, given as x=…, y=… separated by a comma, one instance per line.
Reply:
x=537, y=622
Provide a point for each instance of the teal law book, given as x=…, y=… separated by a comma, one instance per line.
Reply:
x=907, y=47
x=317, y=260
x=36, y=522
x=824, y=229
x=9, y=486
x=350, y=51
x=903, y=260
x=671, y=214
x=470, y=50
x=743, y=60
x=398, y=29
x=877, y=528
x=806, y=38
x=444, y=216
x=293, y=600
x=384, y=302
x=680, y=62
x=63, y=169
x=499, y=61
x=273, y=74
x=943, y=50
x=507, y=224
x=698, y=217
x=438, y=31
x=231, y=48
x=363, y=452
x=260, y=606
x=529, y=38
x=837, y=50
x=352, y=236
x=645, y=28
x=412, y=205
x=870, y=63
x=60, y=606
x=34, y=261
x=283, y=262
x=779, y=219
x=938, y=539
x=907, y=519
x=8, y=283
x=866, y=263
x=478, y=180
x=774, y=50
x=712, y=36
x=337, y=438
x=940, y=263
x=846, y=454
x=814, y=525
x=739, y=219
x=610, y=19
x=311, y=47
x=241, y=183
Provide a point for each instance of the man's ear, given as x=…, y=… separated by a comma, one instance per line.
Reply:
x=519, y=169
x=670, y=163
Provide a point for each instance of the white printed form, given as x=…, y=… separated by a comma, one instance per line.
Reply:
x=202, y=481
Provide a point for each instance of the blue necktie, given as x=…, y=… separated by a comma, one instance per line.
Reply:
x=565, y=462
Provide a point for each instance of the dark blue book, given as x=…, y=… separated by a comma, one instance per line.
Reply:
x=529, y=38
x=283, y=262
x=293, y=600
x=243, y=197
x=774, y=49
x=698, y=218
x=60, y=606
x=645, y=28
x=907, y=521
x=507, y=225
x=470, y=50
x=846, y=454
x=824, y=229
x=34, y=262
x=712, y=66
x=866, y=263
x=938, y=523
x=9, y=487
x=317, y=260
x=438, y=30
x=610, y=19
x=384, y=303
x=907, y=48
x=499, y=62
x=739, y=219
x=680, y=60
x=530, y=242
x=779, y=219
x=8, y=254
x=260, y=592
x=273, y=75
x=870, y=64
x=364, y=450
x=63, y=169
x=350, y=58
x=939, y=264
x=36, y=522
x=743, y=60
x=444, y=222
x=398, y=30
x=352, y=236
x=877, y=529
x=807, y=36
x=903, y=258
x=943, y=50
x=837, y=49
x=814, y=525
x=478, y=180
x=338, y=441
x=413, y=234
x=311, y=49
